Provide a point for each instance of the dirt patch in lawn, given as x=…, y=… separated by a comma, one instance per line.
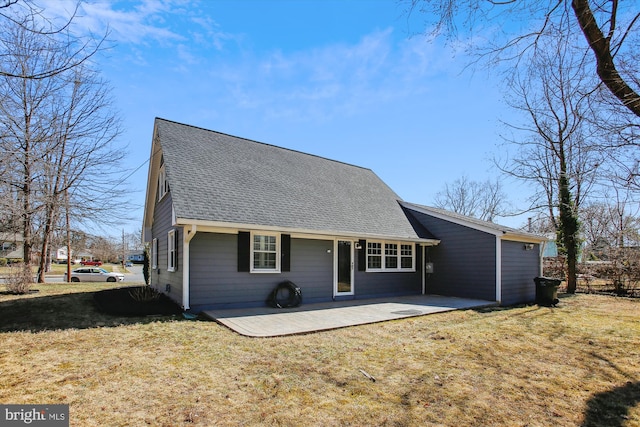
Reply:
x=123, y=302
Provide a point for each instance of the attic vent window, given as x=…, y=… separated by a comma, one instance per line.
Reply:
x=163, y=184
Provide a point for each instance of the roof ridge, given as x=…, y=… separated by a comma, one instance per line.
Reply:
x=264, y=143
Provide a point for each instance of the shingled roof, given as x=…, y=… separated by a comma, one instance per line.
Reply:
x=475, y=223
x=223, y=179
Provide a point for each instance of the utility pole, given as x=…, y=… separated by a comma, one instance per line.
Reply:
x=124, y=251
x=66, y=203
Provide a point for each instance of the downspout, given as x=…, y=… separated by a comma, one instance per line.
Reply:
x=543, y=248
x=188, y=235
x=498, y=269
x=424, y=274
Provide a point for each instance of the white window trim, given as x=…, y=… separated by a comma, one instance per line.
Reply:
x=154, y=253
x=162, y=183
x=399, y=268
x=171, y=250
x=278, y=253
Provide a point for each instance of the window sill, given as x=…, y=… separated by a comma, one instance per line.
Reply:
x=380, y=270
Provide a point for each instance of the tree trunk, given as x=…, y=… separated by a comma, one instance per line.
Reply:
x=48, y=228
x=568, y=226
x=26, y=209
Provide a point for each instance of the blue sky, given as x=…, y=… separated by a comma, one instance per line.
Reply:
x=339, y=79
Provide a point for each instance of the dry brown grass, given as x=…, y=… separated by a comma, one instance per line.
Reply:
x=576, y=364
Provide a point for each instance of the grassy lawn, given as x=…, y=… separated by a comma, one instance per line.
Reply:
x=574, y=365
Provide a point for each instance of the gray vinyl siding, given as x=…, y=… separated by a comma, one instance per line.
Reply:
x=373, y=285
x=160, y=277
x=519, y=267
x=216, y=283
x=381, y=284
x=464, y=261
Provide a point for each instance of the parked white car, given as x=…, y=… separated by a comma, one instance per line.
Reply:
x=93, y=274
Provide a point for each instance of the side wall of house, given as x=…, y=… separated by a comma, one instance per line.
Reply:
x=519, y=267
x=216, y=282
x=464, y=261
x=168, y=282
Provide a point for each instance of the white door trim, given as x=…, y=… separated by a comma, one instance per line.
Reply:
x=336, y=265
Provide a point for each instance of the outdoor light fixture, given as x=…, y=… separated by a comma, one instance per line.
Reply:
x=358, y=246
x=528, y=246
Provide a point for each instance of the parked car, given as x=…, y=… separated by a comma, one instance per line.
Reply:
x=129, y=264
x=94, y=275
x=95, y=263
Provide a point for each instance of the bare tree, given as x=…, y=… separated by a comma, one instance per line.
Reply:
x=560, y=155
x=612, y=223
x=482, y=200
x=23, y=124
x=82, y=129
x=609, y=28
x=58, y=132
x=606, y=36
x=104, y=249
x=27, y=15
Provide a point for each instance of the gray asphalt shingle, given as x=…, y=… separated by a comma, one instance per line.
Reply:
x=222, y=178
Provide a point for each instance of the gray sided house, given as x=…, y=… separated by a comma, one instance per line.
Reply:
x=479, y=259
x=228, y=219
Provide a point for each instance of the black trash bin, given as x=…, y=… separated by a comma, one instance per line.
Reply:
x=547, y=291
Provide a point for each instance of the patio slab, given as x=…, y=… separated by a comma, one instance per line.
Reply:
x=273, y=322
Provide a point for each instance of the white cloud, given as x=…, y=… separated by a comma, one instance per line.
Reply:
x=335, y=80
x=142, y=22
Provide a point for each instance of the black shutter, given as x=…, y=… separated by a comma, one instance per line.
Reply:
x=285, y=248
x=176, y=238
x=418, y=257
x=244, y=251
x=362, y=255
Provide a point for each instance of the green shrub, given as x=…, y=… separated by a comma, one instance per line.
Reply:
x=145, y=266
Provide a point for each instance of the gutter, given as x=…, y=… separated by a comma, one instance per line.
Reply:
x=189, y=234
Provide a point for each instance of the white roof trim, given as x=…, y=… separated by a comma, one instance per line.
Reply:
x=329, y=234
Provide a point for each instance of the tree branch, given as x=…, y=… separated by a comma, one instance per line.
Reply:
x=601, y=47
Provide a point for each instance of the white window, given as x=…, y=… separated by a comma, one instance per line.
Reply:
x=163, y=184
x=374, y=255
x=154, y=253
x=406, y=256
x=265, y=253
x=390, y=256
x=171, y=250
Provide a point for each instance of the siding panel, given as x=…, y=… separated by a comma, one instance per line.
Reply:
x=519, y=267
x=216, y=283
x=464, y=261
x=375, y=285
x=160, y=277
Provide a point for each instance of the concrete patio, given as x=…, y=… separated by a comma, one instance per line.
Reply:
x=273, y=322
